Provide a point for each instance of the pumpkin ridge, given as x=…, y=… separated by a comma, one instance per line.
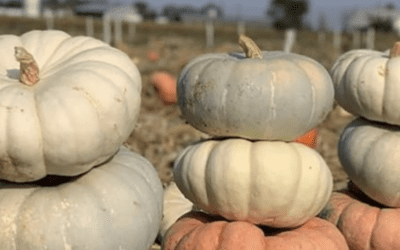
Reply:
x=197, y=86
x=364, y=62
x=69, y=52
x=220, y=239
x=226, y=93
x=385, y=93
x=205, y=169
x=320, y=191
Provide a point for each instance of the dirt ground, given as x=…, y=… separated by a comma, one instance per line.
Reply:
x=161, y=131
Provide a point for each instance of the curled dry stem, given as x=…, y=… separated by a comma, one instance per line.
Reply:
x=249, y=47
x=29, y=70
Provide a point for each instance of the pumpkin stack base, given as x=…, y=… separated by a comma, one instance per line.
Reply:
x=364, y=223
x=197, y=230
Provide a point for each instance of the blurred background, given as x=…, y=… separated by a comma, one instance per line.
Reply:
x=164, y=35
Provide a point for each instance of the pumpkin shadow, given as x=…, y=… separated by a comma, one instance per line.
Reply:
x=47, y=181
x=13, y=73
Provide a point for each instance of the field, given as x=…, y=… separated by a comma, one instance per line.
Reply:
x=161, y=132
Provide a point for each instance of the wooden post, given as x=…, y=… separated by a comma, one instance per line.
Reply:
x=89, y=25
x=290, y=39
x=107, y=29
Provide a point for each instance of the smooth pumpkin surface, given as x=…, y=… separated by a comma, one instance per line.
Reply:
x=165, y=85
x=117, y=205
x=280, y=96
x=370, y=154
x=367, y=84
x=309, y=138
x=197, y=230
x=365, y=224
x=76, y=116
x=274, y=183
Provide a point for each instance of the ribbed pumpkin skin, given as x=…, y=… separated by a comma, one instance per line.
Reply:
x=367, y=84
x=370, y=155
x=200, y=231
x=117, y=205
x=276, y=183
x=366, y=225
x=76, y=116
x=279, y=97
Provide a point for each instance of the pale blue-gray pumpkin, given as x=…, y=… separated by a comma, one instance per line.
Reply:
x=370, y=154
x=117, y=205
x=275, y=95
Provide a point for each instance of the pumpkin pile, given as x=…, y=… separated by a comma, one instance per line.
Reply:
x=66, y=106
x=251, y=172
x=367, y=84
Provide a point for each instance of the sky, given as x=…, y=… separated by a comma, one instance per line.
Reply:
x=332, y=9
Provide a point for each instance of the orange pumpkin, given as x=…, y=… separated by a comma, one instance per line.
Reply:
x=152, y=55
x=165, y=85
x=197, y=230
x=366, y=224
x=309, y=139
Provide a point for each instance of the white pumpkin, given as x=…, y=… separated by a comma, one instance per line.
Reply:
x=271, y=183
x=82, y=108
x=117, y=205
x=370, y=155
x=175, y=205
x=275, y=95
x=367, y=83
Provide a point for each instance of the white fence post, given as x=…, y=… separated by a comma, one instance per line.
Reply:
x=49, y=16
x=131, y=31
x=370, y=38
x=209, y=34
x=337, y=41
x=321, y=37
x=89, y=25
x=290, y=39
x=107, y=29
x=356, y=39
x=118, y=31
x=241, y=28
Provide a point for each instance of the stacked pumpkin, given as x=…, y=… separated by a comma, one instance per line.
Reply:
x=367, y=84
x=251, y=177
x=66, y=106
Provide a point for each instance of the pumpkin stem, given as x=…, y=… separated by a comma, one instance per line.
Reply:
x=28, y=67
x=249, y=47
x=395, y=51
